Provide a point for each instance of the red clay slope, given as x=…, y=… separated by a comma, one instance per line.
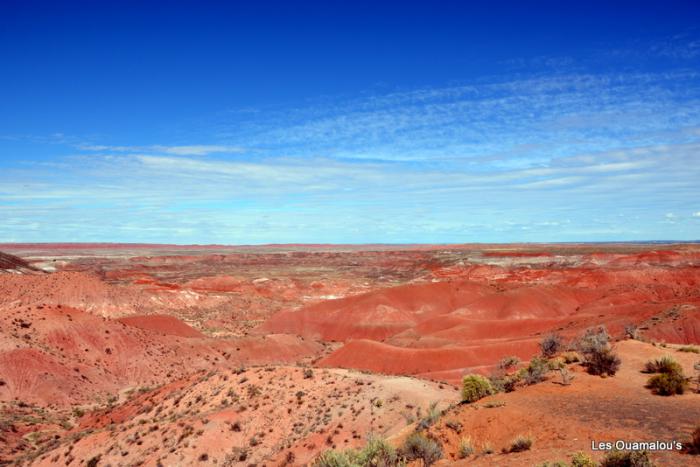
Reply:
x=455, y=326
x=60, y=355
x=163, y=324
x=376, y=315
x=80, y=290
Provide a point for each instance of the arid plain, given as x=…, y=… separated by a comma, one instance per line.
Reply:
x=270, y=355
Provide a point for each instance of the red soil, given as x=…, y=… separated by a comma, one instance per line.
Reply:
x=561, y=420
x=76, y=289
x=376, y=315
x=68, y=355
x=454, y=326
x=163, y=324
x=516, y=254
x=382, y=358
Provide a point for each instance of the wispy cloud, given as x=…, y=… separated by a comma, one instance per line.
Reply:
x=191, y=150
x=567, y=156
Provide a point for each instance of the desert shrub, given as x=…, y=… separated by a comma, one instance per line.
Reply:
x=689, y=348
x=466, y=448
x=598, y=357
x=504, y=383
x=536, y=371
x=556, y=363
x=500, y=380
x=593, y=340
x=571, y=357
x=378, y=453
x=605, y=362
x=334, y=459
x=519, y=444
x=475, y=387
x=486, y=448
x=554, y=464
x=454, y=426
x=508, y=363
x=668, y=384
x=494, y=404
x=631, y=331
x=432, y=416
x=566, y=377
x=627, y=459
x=551, y=345
x=510, y=382
x=420, y=447
x=665, y=364
x=308, y=373
x=670, y=379
x=581, y=459
x=693, y=446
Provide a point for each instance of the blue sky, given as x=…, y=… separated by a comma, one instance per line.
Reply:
x=432, y=122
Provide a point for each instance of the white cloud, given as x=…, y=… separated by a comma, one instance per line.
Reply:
x=192, y=150
x=616, y=155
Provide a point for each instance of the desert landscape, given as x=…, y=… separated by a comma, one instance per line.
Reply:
x=130, y=354
x=349, y=234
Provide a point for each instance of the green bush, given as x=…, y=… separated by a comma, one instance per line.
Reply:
x=509, y=362
x=519, y=444
x=504, y=383
x=376, y=453
x=664, y=364
x=627, y=459
x=670, y=379
x=582, y=460
x=475, y=387
x=420, y=447
x=466, y=448
x=667, y=384
x=432, y=416
x=336, y=459
x=535, y=372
